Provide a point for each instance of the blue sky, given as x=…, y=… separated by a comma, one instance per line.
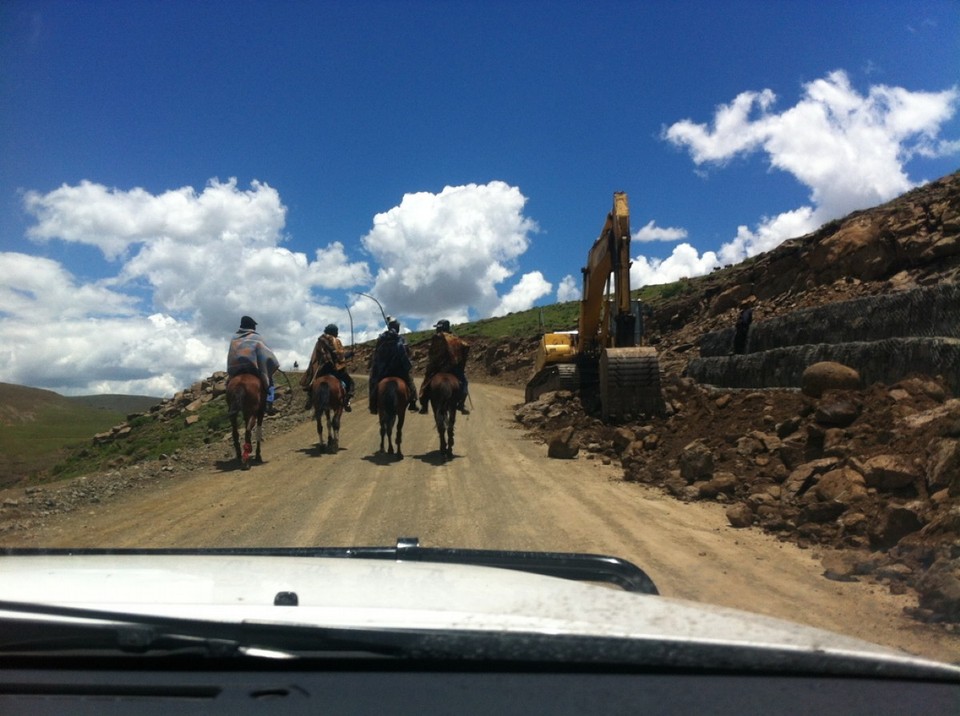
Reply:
x=166, y=167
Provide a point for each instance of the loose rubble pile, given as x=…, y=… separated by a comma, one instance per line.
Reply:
x=874, y=472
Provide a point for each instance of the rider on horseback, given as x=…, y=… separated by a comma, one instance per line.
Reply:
x=249, y=354
x=328, y=358
x=391, y=357
x=448, y=354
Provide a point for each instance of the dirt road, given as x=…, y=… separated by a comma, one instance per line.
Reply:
x=499, y=492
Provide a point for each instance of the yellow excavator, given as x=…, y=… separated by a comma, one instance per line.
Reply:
x=602, y=358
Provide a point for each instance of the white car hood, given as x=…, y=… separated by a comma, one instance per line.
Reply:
x=363, y=593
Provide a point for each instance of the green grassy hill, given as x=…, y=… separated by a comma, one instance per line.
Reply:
x=37, y=427
x=534, y=322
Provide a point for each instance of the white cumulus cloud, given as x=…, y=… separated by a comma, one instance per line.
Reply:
x=189, y=264
x=525, y=293
x=652, y=232
x=568, y=290
x=113, y=220
x=447, y=253
x=183, y=265
x=685, y=261
x=849, y=149
x=37, y=289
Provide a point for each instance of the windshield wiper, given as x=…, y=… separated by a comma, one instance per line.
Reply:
x=74, y=629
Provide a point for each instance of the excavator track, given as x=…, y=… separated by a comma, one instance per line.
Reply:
x=560, y=376
x=630, y=383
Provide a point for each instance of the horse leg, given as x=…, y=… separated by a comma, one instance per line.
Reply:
x=259, y=435
x=236, y=436
x=450, y=423
x=337, y=414
x=387, y=404
x=321, y=397
x=401, y=414
x=438, y=416
x=385, y=430
x=245, y=458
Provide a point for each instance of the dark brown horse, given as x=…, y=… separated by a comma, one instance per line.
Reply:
x=444, y=392
x=328, y=399
x=392, y=399
x=246, y=396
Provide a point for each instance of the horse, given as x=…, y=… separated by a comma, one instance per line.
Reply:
x=328, y=398
x=245, y=394
x=444, y=392
x=392, y=399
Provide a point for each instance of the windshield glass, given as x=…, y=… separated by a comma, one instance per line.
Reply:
x=675, y=283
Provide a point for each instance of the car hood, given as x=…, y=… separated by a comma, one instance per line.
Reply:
x=372, y=594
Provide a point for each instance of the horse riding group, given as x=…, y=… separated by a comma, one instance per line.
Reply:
x=329, y=388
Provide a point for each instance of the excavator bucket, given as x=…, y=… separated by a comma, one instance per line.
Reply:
x=630, y=383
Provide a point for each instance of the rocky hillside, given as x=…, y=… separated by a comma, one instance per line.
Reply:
x=868, y=467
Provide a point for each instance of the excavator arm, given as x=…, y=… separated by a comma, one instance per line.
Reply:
x=609, y=256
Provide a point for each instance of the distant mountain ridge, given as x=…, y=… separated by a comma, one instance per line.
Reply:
x=118, y=403
x=20, y=403
x=37, y=425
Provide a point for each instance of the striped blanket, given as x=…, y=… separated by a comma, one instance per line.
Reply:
x=249, y=354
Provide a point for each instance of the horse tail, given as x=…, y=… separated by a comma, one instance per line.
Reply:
x=322, y=397
x=235, y=394
x=390, y=398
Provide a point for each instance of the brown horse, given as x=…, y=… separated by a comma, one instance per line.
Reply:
x=246, y=395
x=328, y=399
x=392, y=399
x=444, y=392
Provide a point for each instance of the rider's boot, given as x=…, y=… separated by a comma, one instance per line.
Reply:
x=462, y=407
x=412, y=392
x=424, y=407
x=346, y=403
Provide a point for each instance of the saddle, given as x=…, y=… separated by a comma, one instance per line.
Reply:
x=327, y=369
